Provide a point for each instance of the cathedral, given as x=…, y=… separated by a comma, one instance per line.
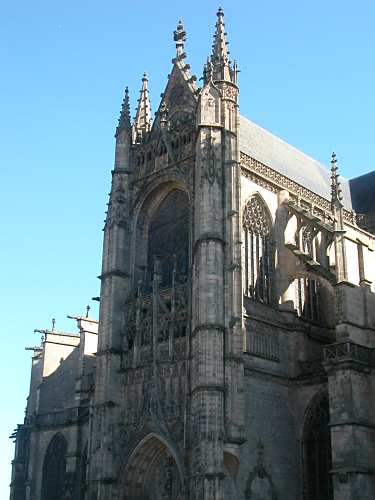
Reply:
x=234, y=353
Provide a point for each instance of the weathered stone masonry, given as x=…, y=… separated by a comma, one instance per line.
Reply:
x=234, y=355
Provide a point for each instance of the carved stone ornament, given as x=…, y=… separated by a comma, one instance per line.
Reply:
x=210, y=163
x=116, y=207
x=259, y=485
x=210, y=106
x=177, y=95
x=229, y=92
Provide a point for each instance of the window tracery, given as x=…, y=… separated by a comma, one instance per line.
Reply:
x=168, y=240
x=258, y=251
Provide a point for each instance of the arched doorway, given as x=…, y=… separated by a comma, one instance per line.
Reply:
x=317, y=450
x=152, y=473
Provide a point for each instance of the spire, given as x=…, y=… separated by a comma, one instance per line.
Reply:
x=124, y=122
x=336, y=193
x=142, y=121
x=220, y=53
x=179, y=36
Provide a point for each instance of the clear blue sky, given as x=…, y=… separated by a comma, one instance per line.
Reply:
x=307, y=74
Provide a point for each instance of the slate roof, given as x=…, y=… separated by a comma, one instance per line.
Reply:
x=269, y=149
x=362, y=189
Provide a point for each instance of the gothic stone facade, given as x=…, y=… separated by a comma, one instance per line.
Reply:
x=235, y=352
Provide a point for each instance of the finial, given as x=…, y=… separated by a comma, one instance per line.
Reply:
x=53, y=324
x=220, y=12
x=179, y=36
x=124, y=121
x=336, y=193
x=142, y=121
x=87, y=311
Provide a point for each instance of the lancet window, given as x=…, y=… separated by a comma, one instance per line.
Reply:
x=54, y=469
x=258, y=251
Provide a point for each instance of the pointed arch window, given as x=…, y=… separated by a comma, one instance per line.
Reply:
x=317, y=451
x=258, y=251
x=54, y=469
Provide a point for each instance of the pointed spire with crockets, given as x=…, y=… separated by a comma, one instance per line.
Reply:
x=220, y=53
x=124, y=122
x=142, y=121
x=336, y=193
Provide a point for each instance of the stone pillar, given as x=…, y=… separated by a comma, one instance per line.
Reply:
x=352, y=424
x=208, y=325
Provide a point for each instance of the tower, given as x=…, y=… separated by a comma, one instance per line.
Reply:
x=171, y=293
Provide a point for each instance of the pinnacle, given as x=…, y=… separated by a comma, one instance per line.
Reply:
x=124, y=120
x=142, y=121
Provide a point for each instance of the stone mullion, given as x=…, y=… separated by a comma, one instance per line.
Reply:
x=252, y=264
x=246, y=260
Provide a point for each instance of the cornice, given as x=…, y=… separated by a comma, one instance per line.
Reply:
x=268, y=178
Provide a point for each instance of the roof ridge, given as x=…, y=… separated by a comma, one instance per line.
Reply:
x=326, y=168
